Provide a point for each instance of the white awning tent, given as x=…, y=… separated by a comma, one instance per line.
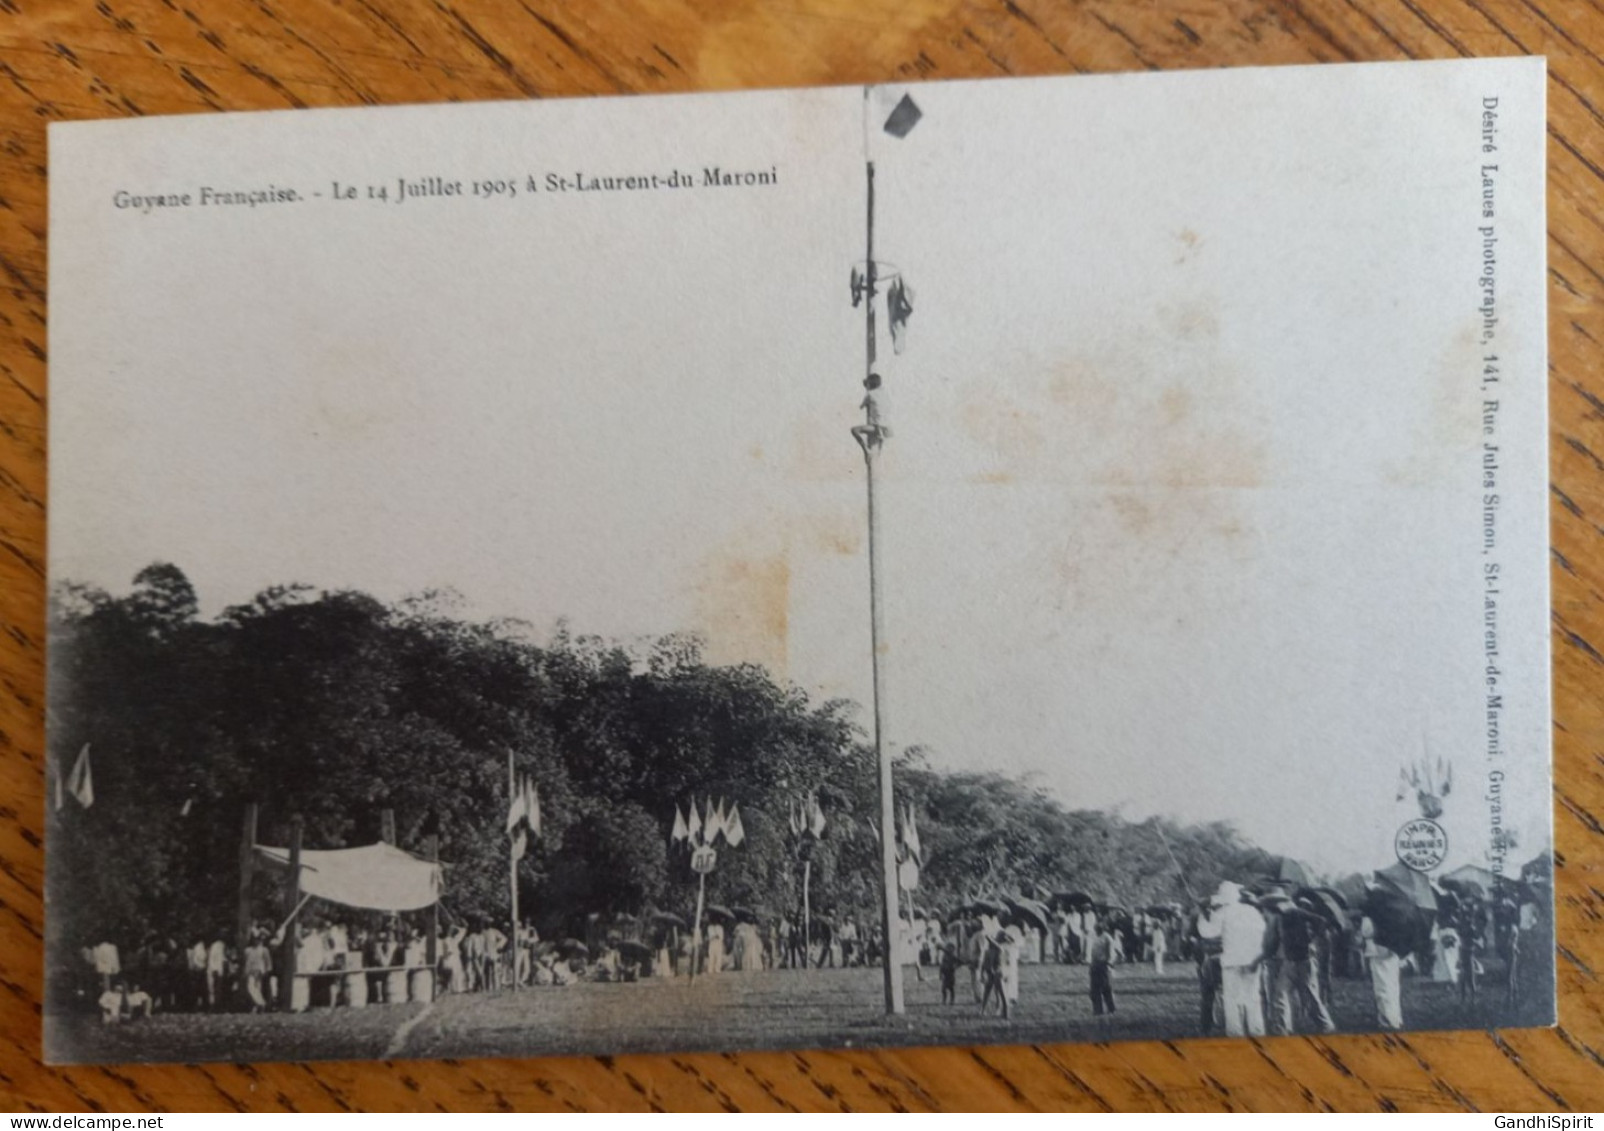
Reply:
x=375, y=877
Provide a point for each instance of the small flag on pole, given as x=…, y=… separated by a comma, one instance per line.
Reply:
x=693, y=824
x=523, y=809
x=910, y=836
x=816, y=818
x=903, y=118
x=81, y=782
x=734, y=833
x=681, y=830
x=715, y=822
x=515, y=797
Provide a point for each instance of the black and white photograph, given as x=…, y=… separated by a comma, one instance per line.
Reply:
x=1004, y=561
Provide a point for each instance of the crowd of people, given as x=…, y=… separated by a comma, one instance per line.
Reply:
x=1265, y=954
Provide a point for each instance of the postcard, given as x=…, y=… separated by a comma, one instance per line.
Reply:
x=1055, y=559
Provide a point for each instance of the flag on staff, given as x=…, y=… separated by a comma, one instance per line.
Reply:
x=681, y=830
x=733, y=832
x=523, y=810
x=81, y=782
x=693, y=824
x=517, y=809
x=815, y=816
x=715, y=822
x=910, y=836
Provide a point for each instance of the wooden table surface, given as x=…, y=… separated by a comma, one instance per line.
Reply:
x=127, y=57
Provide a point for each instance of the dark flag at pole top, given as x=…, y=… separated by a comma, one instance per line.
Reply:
x=903, y=118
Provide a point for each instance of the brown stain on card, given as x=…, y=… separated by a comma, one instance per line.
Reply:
x=1163, y=409
x=1454, y=423
x=343, y=407
x=743, y=604
x=744, y=587
x=1144, y=446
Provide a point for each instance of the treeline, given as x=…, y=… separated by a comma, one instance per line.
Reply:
x=335, y=706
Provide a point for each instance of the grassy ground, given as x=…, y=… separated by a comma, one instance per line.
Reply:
x=784, y=1008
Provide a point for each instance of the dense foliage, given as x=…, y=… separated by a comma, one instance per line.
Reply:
x=335, y=706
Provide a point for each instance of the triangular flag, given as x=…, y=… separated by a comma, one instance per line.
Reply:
x=516, y=808
x=81, y=784
x=715, y=823
x=693, y=824
x=532, y=807
x=910, y=837
x=908, y=874
x=733, y=832
x=680, y=830
x=816, y=820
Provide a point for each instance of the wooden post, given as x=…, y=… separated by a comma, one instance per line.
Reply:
x=387, y=826
x=247, y=869
x=512, y=864
x=871, y=437
x=431, y=848
x=807, y=916
x=696, y=929
x=292, y=900
x=512, y=873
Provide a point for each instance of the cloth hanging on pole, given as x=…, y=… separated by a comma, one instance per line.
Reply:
x=899, y=305
x=376, y=877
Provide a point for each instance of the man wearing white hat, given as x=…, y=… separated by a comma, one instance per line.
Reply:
x=1240, y=929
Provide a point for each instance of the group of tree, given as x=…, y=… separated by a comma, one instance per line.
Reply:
x=334, y=706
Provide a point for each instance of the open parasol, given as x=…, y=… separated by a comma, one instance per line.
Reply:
x=984, y=907
x=1351, y=888
x=1464, y=889
x=669, y=919
x=1400, y=923
x=1411, y=883
x=1326, y=903
x=718, y=911
x=1070, y=899
x=571, y=947
x=634, y=951
x=1030, y=913
x=744, y=914
x=1284, y=874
